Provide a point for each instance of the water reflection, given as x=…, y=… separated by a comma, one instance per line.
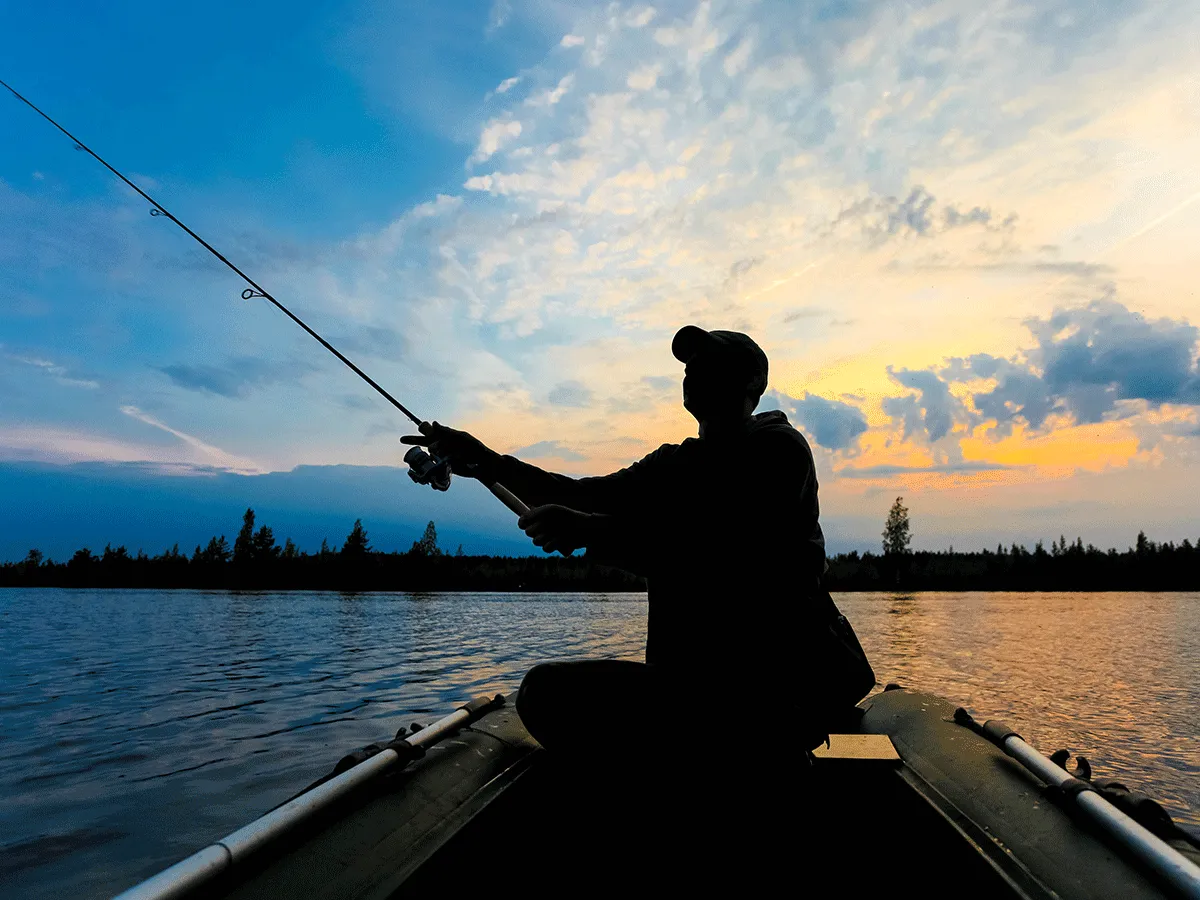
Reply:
x=1111, y=676
x=137, y=726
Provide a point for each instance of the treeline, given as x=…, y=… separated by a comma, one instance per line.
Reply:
x=256, y=561
x=1146, y=566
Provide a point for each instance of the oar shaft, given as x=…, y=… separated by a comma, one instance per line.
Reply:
x=1164, y=859
x=1156, y=854
x=200, y=868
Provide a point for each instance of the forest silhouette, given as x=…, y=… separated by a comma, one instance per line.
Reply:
x=255, y=561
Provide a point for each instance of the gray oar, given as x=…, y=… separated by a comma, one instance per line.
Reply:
x=200, y=868
x=1163, y=859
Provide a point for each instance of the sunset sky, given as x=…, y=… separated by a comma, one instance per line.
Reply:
x=965, y=233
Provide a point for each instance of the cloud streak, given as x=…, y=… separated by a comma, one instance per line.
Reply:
x=59, y=373
x=207, y=453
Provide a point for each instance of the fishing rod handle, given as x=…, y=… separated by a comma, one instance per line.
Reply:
x=508, y=498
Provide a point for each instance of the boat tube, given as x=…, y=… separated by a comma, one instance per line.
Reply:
x=918, y=798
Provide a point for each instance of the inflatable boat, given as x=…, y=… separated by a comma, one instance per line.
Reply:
x=916, y=798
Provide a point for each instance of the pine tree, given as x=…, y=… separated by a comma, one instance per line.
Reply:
x=217, y=551
x=357, y=544
x=243, y=546
x=427, y=545
x=289, y=549
x=263, y=545
x=897, y=534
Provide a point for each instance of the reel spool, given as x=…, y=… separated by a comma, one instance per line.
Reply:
x=425, y=469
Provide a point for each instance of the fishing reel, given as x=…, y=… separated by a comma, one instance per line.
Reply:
x=426, y=469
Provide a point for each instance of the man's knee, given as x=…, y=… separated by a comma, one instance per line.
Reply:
x=537, y=694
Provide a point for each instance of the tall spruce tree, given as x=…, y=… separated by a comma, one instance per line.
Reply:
x=243, y=546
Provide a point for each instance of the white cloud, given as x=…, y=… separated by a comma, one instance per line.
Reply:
x=495, y=135
x=507, y=84
x=735, y=62
x=499, y=15
x=571, y=40
x=644, y=78
x=640, y=18
x=552, y=96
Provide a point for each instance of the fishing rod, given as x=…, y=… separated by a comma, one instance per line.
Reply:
x=424, y=468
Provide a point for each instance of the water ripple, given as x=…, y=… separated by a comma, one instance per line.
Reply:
x=138, y=726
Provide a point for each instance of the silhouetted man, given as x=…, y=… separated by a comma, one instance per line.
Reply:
x=724, y=527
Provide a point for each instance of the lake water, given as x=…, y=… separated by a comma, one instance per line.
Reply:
x=138, y=726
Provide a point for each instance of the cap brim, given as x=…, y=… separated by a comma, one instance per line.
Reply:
x=688, y=341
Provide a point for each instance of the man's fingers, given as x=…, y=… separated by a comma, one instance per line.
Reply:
x=537, y=528
x=534, y=517
x=421, y=439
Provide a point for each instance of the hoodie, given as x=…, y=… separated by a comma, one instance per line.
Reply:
x=726, y=533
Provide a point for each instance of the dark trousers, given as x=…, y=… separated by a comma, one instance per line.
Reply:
x=581, y=707
x=577, y=707
x=648, y=749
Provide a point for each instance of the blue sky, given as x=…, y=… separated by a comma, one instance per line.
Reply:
x=964, y=232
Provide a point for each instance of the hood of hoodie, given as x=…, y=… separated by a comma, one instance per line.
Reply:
x=776, y=418
x=774, y=421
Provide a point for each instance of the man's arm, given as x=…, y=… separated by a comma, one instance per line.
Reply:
x=566, y=513
x=536, y=487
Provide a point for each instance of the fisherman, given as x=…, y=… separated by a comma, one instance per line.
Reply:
x=724, y=527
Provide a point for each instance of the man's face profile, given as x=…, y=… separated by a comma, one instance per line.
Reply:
x=712, y=385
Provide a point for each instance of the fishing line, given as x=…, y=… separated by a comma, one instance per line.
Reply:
x=255, y=290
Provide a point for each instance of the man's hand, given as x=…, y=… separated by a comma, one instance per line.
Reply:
x=448, y=443
x=555, y=527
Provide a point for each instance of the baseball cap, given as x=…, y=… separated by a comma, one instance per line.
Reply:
x=732, y=345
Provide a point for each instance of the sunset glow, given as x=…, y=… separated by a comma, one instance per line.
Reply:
x=964, y=233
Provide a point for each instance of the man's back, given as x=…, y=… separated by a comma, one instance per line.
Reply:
x=725, y=530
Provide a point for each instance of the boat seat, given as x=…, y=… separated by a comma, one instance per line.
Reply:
x=858, y=748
